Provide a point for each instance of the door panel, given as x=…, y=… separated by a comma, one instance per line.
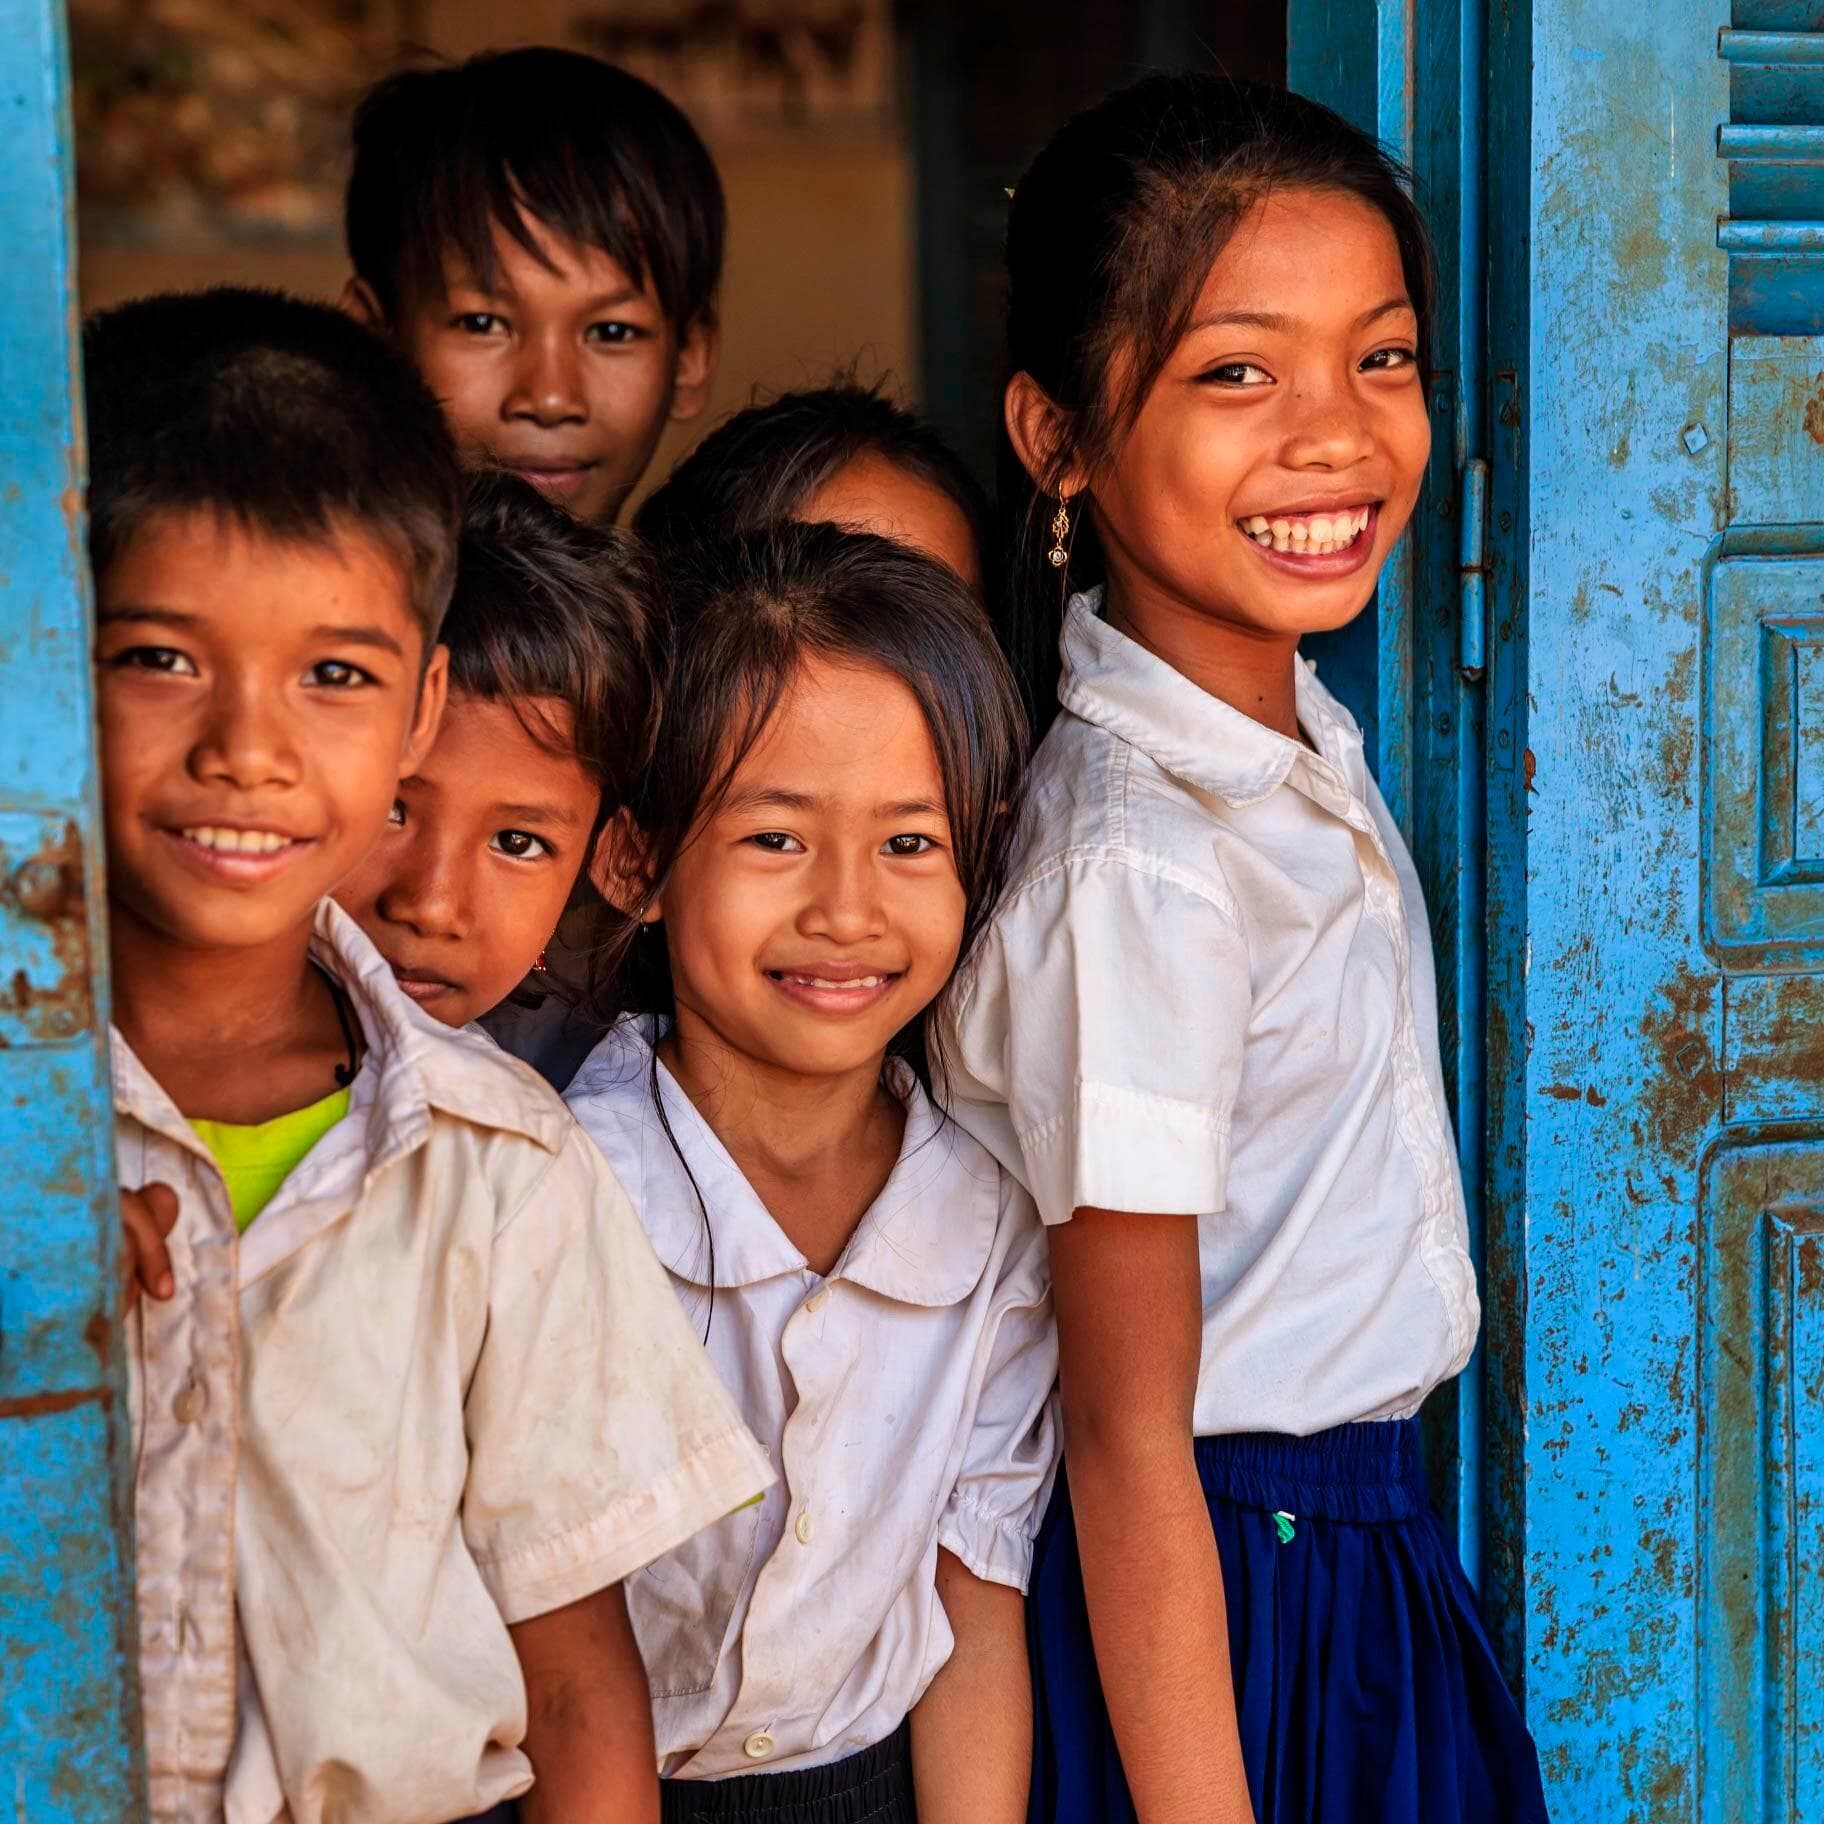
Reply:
x=1762, y=1391
x=68, y=1722
x=1761, y=1216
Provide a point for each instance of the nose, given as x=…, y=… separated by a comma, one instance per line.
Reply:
x=245, y=741
x=547, y=383
x=426, y=891
x=1332, y=426
x=844, y=905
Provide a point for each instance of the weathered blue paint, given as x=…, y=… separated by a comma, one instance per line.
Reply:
x=1609, y=1225
x=1411, y=72
x=68, y=1721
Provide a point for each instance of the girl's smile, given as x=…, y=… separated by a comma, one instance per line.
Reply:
x=818, y=909
x=1315, y=547
x=827, y=986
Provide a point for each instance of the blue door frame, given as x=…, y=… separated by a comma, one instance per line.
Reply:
x=69, y=1734
x=1411, y=73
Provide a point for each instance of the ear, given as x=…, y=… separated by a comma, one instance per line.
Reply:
x=427, y=718
x=1036, y=427
x=620, y=869
x=696, y=371
x=360, y=301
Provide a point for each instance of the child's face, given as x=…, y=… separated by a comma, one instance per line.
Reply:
x=872, y=494
x=819, y=910
x=1278, y=456
x=259, y=701
x=564, y=372
x=468, y=882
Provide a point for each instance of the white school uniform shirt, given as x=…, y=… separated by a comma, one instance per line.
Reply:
x=1208, y=991
x=906, y=1400
x=439, y=1386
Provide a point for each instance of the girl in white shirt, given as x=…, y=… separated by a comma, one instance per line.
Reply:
x=1201, y=1027
x=819, y=839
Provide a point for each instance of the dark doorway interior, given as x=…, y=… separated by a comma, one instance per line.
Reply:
x=991, y=80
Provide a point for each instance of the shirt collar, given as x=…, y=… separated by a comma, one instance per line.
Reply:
x=923, y=1241
x=413, y=1063
x=1115, y=683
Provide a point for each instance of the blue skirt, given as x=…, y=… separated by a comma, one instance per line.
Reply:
x=1365, y=1687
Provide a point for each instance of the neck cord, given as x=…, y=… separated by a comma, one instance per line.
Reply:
x=345, y=1073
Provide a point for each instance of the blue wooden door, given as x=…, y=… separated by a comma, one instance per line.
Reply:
x=68, y=1723
x=1656, y=899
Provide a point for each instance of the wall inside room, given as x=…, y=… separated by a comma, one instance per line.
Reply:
x=820, y=269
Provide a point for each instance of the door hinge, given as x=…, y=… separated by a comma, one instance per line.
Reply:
x=1472, y=571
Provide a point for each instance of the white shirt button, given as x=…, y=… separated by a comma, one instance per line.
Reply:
x=805, y=1530
x=189, y=1404
x=758, y=1745
x=818, y=1299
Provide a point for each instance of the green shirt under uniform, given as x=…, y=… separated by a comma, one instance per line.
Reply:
x=256, y=1160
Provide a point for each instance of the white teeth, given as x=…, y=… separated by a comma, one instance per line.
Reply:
x=1317, y=536
x=236, y=842
x=858, y=981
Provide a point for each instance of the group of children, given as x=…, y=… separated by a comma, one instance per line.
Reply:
x=954, y=1350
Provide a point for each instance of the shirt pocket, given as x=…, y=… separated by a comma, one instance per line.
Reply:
x=683, y=1605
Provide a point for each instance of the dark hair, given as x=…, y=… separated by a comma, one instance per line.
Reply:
x=580, y=147
x=764, y=463
x=743, y=615
x=1110, y=235
x=549, y=606
x=287, y=418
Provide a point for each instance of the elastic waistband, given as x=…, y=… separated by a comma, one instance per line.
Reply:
x=858, y=1787
x=1365, y=1473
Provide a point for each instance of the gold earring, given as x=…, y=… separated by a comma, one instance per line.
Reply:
x=1060, y=530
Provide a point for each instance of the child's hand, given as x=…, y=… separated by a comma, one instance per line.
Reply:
x=147, y=1215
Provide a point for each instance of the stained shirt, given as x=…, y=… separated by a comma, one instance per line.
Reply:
x=439, y=1387
x=1208, y=991
x=906, y=1399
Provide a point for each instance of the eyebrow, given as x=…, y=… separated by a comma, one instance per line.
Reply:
x=163, y=617
x=536, y=813
x=503, y=288
x=763, y=797
x=375, y=638
x=1278, y=324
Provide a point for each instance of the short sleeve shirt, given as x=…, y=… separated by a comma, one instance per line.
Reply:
x=906, y=1399
x=439, y=1387
x=1208, y=991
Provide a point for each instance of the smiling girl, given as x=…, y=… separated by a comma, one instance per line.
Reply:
x=820, y=838
x=1201, y=1027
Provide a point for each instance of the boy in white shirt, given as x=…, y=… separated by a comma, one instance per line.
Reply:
x=418, y=1399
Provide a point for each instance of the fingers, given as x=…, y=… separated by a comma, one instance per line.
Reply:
x=147, y=1216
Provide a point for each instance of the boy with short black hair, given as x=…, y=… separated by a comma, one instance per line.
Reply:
x=413, y=1396
x=542, y=234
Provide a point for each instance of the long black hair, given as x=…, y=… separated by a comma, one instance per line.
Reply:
x=742, y=616
x=1110, y=236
